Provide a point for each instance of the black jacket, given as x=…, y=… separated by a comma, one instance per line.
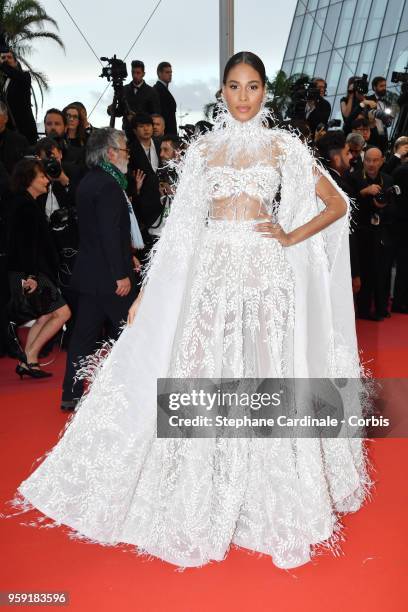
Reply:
x=320, y=114
x=147, y=204
x=168, y=107
x=145, y=100
x=105, y=254
x=18, y=100
x=13, y=146
x=365, y=204
x=30, y=247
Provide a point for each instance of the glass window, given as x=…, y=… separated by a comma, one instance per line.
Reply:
x=375, y=20
x=309, y=66
x=312, y=5
x=293, y=38
x=360, y=21
x=301, y=7
x=305, y=35
x=400, y=54
x=404, y=19
x=346, y=19
x=323, y=3
x=286, y=67
x=392, y=17
x=321, y=64
x=330, y=27
x=333, y=74
x=365, y=63
x=349, y=67
x=383, y=56
x=298, y=65
x=318, y=29
x=336, y=111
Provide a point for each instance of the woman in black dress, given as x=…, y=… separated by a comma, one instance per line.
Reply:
x=33, y=262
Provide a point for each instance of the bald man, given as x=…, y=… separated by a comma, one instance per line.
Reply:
x=374, y=236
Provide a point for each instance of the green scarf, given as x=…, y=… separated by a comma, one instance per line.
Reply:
x=115, y=172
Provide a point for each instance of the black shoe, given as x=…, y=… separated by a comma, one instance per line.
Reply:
x=69, y=405
x=31, y=371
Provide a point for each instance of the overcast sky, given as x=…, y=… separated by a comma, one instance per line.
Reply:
x=183, y=32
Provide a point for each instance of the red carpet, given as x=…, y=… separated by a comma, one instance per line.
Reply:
x=370, y=575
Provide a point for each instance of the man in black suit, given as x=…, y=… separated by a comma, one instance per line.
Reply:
x=16, y=94
x=145, y=195
x=138, y=97
x=104, y=271
x=168, y=104
x=375, y=235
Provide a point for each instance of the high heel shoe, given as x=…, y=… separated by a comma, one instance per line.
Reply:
x=31, y=371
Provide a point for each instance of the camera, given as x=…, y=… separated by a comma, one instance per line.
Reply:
x=302, y=92
x=116, y=70
x=361, y=84
x=383, y=115
x=52, y=166
x=385, y=196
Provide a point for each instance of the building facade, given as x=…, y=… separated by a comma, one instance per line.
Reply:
x=337, y=39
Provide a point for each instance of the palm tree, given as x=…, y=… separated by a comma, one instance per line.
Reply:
x=24, y=21
x=280, y=91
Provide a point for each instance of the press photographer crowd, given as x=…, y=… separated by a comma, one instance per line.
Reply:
x=81, y=207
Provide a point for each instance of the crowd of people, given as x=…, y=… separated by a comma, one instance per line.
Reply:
x=71, y=199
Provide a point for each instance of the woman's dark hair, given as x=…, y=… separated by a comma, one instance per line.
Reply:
x=24, y=173
x=245, y=57
x=81, y=131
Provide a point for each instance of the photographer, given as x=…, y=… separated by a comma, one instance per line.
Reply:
x=383, y=117
x=375, y=217
x=32, y=263
x=15, y=84
x=355, y=103
x=55, y=128
x=317, y=110
x=59, y=206
x=335, y=154
x=400, y=155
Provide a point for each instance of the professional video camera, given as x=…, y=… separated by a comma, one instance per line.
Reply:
x=302, y=91
x=116, y=73
x=361, y=84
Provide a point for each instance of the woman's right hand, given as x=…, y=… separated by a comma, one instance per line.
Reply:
x=30, y=284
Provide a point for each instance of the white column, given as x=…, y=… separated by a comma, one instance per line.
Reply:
x=226, y=33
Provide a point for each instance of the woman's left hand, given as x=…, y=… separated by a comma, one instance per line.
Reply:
x=274, y=230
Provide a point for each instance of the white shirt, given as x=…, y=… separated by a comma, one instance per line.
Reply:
x=152, y=156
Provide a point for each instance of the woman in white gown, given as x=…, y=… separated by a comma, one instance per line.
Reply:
x=238, y=287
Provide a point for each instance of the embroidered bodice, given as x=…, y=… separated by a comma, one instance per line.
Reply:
x=242, y=193
x=242, y=169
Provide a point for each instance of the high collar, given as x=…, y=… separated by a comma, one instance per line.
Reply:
x=226, y=121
